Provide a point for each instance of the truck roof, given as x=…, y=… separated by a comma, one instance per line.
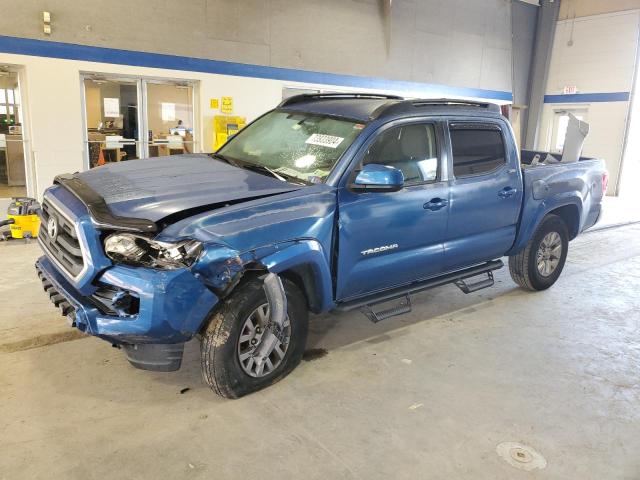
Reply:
x=367, y=106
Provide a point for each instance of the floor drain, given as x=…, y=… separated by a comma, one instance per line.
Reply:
x=521, y=456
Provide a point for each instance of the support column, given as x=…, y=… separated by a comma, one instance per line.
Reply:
x=545, y=31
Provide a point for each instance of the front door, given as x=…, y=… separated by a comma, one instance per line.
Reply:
x=387, y=239
x=486, y=194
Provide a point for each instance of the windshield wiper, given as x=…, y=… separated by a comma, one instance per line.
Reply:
x=284, y=177
x=224, y=159
x=293, y=178
x=254, y=167
x=272, y=172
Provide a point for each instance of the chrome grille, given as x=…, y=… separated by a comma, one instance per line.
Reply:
x=65, y=247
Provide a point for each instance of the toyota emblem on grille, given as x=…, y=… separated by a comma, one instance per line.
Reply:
x=52, y=228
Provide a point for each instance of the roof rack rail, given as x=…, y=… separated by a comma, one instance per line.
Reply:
x=454, y=102
x=404, y=107
x=329, y=96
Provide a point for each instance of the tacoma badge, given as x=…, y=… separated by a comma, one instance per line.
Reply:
x=381, y=249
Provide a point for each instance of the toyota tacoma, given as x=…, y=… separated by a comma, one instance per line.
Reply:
x=327, y=202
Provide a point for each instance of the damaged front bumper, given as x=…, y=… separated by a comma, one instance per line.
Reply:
x=135, y=308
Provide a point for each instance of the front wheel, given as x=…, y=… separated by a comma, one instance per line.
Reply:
x=539, y=265
x=240, y=329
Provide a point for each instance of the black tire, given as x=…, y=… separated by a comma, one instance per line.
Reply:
x=523, y=267
x=220, y=365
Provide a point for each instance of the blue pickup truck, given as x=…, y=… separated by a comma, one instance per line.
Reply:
x=327, y=202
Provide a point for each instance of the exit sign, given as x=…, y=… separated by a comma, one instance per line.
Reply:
x=570, y=90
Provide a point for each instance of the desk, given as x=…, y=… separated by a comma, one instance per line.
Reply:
x=109, y=143
x=112, y=154
x=164, y=145
x=163, y=148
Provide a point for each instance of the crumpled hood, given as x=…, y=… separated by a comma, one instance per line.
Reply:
x=158, y=187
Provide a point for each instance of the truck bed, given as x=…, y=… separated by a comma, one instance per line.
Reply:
x=575, y=185
x=526, y=156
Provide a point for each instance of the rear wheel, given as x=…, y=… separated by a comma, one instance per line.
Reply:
x=540, y=263
x=240, y=329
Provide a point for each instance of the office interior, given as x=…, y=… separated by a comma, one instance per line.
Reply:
x=132, y=118
x=12, y=167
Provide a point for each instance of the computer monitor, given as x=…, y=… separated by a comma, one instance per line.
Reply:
x=178, y=131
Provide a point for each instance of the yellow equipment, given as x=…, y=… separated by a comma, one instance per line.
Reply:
x=22, y=218
x=225, y=126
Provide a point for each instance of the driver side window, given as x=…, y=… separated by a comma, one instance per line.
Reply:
x=409, y=148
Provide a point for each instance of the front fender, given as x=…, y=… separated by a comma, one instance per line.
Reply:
x=307, y=259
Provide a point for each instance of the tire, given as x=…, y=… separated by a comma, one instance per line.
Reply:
x=524, y=265
x=220, y=344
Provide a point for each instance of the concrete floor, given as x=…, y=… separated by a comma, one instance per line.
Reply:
x=427, y=395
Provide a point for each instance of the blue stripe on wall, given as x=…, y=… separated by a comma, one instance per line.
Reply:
x=588, y=97
x=69, y=51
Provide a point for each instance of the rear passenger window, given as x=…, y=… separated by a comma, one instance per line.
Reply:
x=476, y=149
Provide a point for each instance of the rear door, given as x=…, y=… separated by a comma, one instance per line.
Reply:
x=391, y=238
x=486, y=193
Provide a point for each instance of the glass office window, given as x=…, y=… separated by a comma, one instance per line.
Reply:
x=12, y=165
x=169, y=118
x=130, y=118
x=111, y=109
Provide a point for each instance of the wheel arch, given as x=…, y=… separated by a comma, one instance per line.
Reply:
x=303, y=277
x=305, y=264
x=570, y=215
x=568, y=208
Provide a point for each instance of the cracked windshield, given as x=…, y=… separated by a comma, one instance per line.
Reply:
x=292, y=146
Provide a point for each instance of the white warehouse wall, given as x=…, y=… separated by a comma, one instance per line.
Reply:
x=51, y=91
x=597, y=55
x=464, y=43
x=442, y=48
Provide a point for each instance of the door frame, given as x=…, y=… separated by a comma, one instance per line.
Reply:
x=114, y=77
x=31, y=182
x=443, y=178
x=444, y=174
x=142, y=117
x=144, y=84
x=510, y=151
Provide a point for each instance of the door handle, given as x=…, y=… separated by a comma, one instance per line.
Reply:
x=507, y=192
x=435, y=204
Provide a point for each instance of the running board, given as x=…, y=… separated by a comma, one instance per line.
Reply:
x=400, y=309
x=458, y=278
x=475, y=286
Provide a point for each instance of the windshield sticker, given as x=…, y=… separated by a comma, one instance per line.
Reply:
x=328, y=141
x=358, y=126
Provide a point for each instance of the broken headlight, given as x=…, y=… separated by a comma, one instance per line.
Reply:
x=142, y=251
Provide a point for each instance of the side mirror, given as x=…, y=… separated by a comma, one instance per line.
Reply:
x=378, y=178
